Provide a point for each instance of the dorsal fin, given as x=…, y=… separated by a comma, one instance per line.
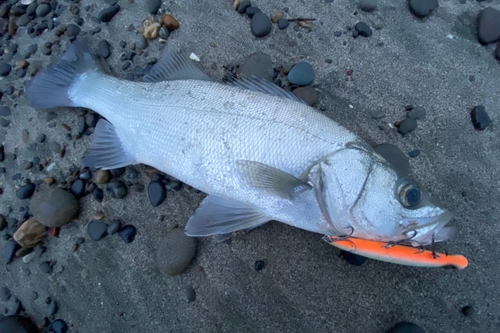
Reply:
x=174, y=66
x=262, y=86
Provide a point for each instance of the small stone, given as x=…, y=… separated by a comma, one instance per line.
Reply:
x=307, y=24
x=489, y=26
x=33, y=48
x=118, y=172
x=243, y=6
x=154, y=6
x=21, y=64
x=26, y=191
x=257, y=65
x=98, y=194
x=103, y=176
x=276, y=16
x=30, y=257
x=406, y=126
x=138, y=187
x=107, y=14
x=54, y=207
x=4, y=122
x=5, y=294
x=337, y=34
x=113, y=227
x=307, y=94
x=45, y=267
x=97, y=230
x=352, y=259
x=368, y=5
x=260, y=25
x=53, y=307
x=42, y=10
x=4, y=111
x=363, y=29
x=422, y=8
x=104, y=49
x=156, y=193
x=414, y=153
x=98, y=216
x=301, y=74
x=163, y=33
x=417, y=113
x=174, y=186
x=127, y=233
x=30, y=233
x=170, y=22
x=376, y=114
x=467, y=310
x=141, y=43
x=190, y=294
x=118, y=189
x=78, y=188
x=72, y=30
x=59, y=326
x=480, y=118
x=10, y=249
x=259, y=265
x=150, y=28
x=5, y=69
x=405, y=327
x=175, y=252
x=251, y=11
x=23, y=252
x=283, y=24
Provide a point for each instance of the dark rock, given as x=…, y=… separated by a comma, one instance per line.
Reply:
x=107, y=14
x=257, y=64
x=78, y=188
x=18, y=10
x=113, y=227
x=127, y=233
x=54, y=207
x=175, y=252
x=4, y=122
x=337, y=33
x=23, y=20
x=368, y=5
x=259, y=265
x=4, y=294
x=301, y=74
x=53, y=307
x=59, y=326
x=422, y=8
x=154, y=6
x=489, y=26
x=31, y=10
x=138, y=187
x=118, y=172
x=156, y=193
x=10, y=249
x=97, y=230
x=243, y=6
x=307, y=94
x=467, y=310
x=407, y=125
x=85, y=174
x=45, y=50
x=45, y=267
x=104, y=50
x=33, y=48
x=480, y=118
x=26, y=191
x=352, y=259
x=396, y=158
x=414, y=153
x=251, y=11
x=72, y=30
x=417, y=113
x=190, y=294
x=405, y=327
x=283, y=24
x=5, y=69
x=4, y=111
x=43, y=10
x=376, y=114
x=98, y=194
x=118, y=189
x=260, y=25
x=363, y=29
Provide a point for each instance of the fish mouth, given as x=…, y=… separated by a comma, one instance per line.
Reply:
x=433, y=229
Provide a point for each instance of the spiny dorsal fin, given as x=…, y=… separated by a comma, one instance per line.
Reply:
x=174, y=66
x=263, y=86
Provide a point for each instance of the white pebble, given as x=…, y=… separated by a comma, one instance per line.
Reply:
x=51, y=166
x=352, y=107
x=29, y=257
x=450, y=36
x=194, y=57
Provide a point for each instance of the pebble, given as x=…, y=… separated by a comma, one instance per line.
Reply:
x=301, y=74
x=30, y=233
x=422, y=8
x=23, y=252
x=156, y=193
x=33, y=48
x=72, y=30
x=259, y=265
x=141, y=43
x=174, y=186
x=154, y=6
x=59, y=326
x=276, y=16
x=30, y=257
x=190, y=294
x=118, y=189
x=396, y=158
x=417, y=113
x=480, y=118
x=307, y=94
x=257, y=64
x=4, y=122
x=414, y=153
x=368, y=5
x=53, y=307
x=376, y=114
x=363, y=29
x=45, y=267
x=170, y=22
x=489, y=26
x=5, y=69
x=42, y=10
x=55, y=147
x=113, y=227
x=118, y=172
x=127, y=233
x=405, y=327
x=467, y=310
x=107, y=14
x=45, y=50
x=407, y=125
x=97, y=230
x=26, y=191
x=283, y=24
x=138, y=187
x=85, y=174
x=251, y=11
x=150, y=28
x=352, y=259
x=98, y=194
x=31, y=10
x=260, y=25
x=54, y=207
x=175, y=252
x=104, y=49
x=103, y=176
x=4, y=294
x=163, y=33
x=4, y=111
x=10, y=249
x=78, y=188
x=243, y=6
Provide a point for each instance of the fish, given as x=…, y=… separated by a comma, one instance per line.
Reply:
x=258, y=151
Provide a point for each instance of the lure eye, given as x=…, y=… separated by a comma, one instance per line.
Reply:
x=408, y=193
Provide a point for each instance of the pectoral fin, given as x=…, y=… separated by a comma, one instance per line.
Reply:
x=219, y=216
x=271, y=179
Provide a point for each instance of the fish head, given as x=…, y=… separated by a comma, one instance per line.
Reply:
x=360, y=194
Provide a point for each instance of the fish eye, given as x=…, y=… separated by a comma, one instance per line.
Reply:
x=408, y=193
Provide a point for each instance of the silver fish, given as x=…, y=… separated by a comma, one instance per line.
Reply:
x=259, y=152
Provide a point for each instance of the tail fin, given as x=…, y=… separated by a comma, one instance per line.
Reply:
x=50, y=88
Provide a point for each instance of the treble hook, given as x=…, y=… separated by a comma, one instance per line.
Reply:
x=347, y=237
x=402, y=241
